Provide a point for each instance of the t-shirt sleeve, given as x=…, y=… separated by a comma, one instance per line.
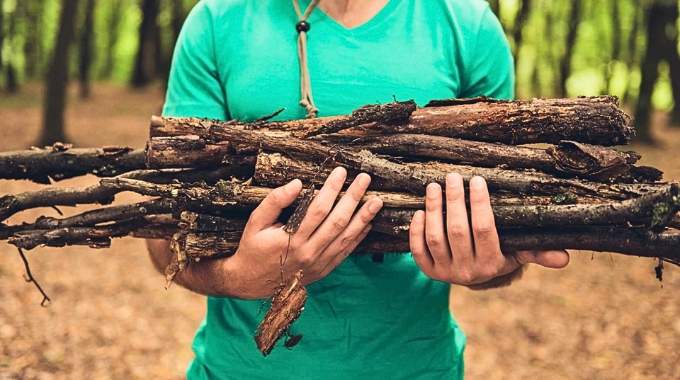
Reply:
x=489, y=68
x=194, y=88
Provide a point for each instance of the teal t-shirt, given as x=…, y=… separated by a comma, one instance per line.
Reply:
x=236, y=59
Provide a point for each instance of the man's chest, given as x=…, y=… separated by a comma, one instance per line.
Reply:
x=260, y=72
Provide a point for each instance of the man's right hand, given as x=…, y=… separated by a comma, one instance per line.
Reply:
x=326, y=236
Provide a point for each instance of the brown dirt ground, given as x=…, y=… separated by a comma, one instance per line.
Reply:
x=604, y=317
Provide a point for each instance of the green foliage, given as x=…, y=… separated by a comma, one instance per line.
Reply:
x=604, y=60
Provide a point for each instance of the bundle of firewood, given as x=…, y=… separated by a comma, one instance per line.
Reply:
x=555, y=181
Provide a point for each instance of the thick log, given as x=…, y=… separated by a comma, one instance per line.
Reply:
x=194, y=152
x=275, y=170
x=653, y=211
x=287, y=304
x=568, y=158
x=60, y=161
x=594, y=120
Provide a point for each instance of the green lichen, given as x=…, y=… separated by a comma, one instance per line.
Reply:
x=564, y=199
x=660, y=213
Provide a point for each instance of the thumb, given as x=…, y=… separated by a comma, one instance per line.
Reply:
x=555, y=259
x=270, y=208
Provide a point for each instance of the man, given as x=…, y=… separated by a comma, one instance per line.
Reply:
x=238, y=59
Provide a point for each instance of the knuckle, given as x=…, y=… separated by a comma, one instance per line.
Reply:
x=458, y=231
x=485, y=229
x=318, y=212
x=306, y=259
x=338, y=223
x=276, y=196
x=366, y=217
x=466, y=276
x=434, y=240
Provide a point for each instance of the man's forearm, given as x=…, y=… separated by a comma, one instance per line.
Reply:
x=207, y=277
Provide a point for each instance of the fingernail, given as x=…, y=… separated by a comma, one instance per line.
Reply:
x=477, y=182
x=433, y=188
x=339, y=170
x=363, y=178
x=375, y=205
x=292, y=184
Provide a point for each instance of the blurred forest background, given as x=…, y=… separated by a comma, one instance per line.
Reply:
x=627, y=48
x=604, y=317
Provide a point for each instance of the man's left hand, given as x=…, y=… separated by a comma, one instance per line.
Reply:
x=459, y=252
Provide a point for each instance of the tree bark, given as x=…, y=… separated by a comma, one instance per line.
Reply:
x=565, y=159
x=57, y=77
x=86, y=49
x=60, y=161
x=594, y=120
x=415, y=177
x=287, y=304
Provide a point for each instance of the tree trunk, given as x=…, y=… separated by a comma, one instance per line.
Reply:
x=495, y=7
x=518, y=27
x=56, y=80
x=673, y=59
x=146, y=61
x=573, y=22
x=11, y=79
x=32, y=42
x=631, y=54
x=86, y=49
x=615, y=37
x=2, y=30
x=654, y=53
x=112, y=34
x=177, y=20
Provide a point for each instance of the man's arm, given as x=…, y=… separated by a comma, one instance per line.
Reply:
x=207, y=277
x=458, y=249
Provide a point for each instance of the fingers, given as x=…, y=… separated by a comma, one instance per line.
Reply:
x=418, y=243
x=457, y=225
x=435, y=232
x=340, y=216
x=555, y=259
x=322, y=203
x=266, y=213
x=487, y=243
x=342, y=255
x=337, y=250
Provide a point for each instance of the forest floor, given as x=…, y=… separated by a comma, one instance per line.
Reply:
x=603, y=317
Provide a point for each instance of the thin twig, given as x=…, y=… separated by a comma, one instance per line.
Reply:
x=29, y=278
